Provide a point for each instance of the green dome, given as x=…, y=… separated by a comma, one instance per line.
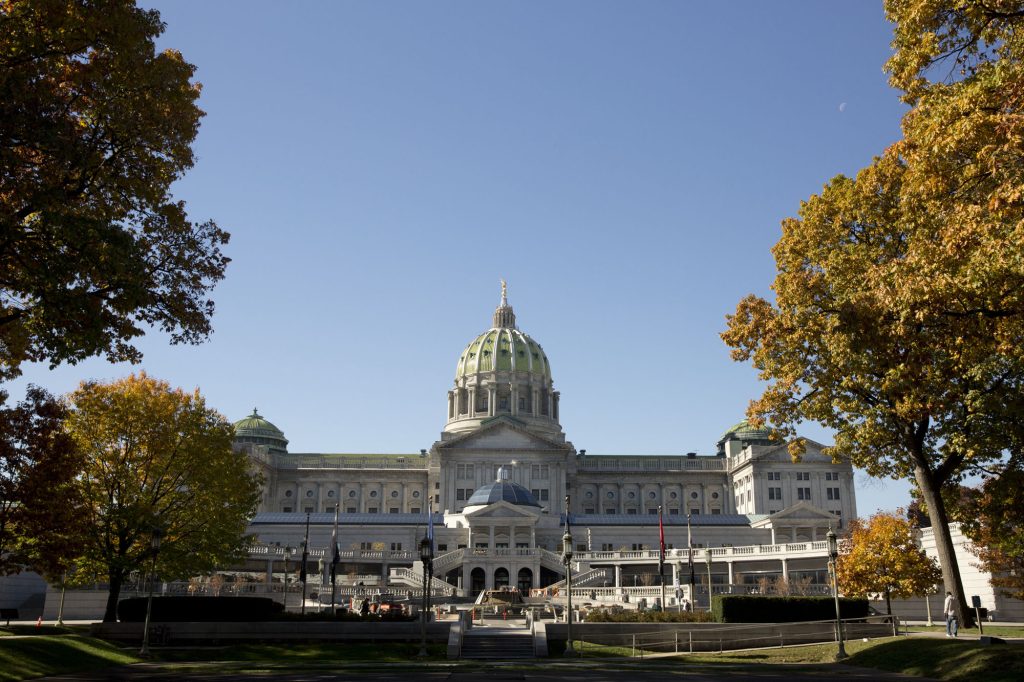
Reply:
x=506, y=349
x=255, y=429
x=745, y=432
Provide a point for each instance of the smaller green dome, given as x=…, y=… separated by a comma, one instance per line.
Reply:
x=745, y=432
x=257, y=430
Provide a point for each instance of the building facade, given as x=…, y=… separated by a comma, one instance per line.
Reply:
x=498, y=479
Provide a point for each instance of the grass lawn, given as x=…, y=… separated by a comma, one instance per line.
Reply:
x=945, y=659
x=994, y=630
x=49, y=654
x=312, y=654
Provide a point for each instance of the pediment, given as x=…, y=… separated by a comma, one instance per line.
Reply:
x=801, y=512
x=503, y=510
x=503, y=433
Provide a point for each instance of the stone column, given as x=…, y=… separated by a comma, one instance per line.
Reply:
x=472, y=402
x=514, y=397
x=618, y=575
x=270, y=569
x=533, y=537
x=490, y=538
x=785, y=569
x=492, y=399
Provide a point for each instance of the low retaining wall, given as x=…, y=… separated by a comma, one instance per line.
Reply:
x=178, y=634
x=683, y=637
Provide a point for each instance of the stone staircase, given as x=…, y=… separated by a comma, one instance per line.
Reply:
x=497, y=645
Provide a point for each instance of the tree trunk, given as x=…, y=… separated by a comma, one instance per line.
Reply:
x=110, y=615
x=888, y=603
x=930, y=491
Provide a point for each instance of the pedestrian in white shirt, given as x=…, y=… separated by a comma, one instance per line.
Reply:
x=949, y=611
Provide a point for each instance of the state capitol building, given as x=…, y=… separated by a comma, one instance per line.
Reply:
x=497, y=480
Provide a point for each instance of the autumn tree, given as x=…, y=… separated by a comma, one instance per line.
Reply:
x=992, y=516
x=157, y=457
x=40, y=508
x=95, y=126
x=881, y=556
x=898, y=318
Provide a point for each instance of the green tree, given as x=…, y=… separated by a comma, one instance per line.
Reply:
x=95, y=126
x=157, y=457
x=40, y=508
x=898, y=317
x=881, y=556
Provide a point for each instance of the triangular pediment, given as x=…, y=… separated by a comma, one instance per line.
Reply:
x=801, y=512
x=503, y=510
x=502, y=433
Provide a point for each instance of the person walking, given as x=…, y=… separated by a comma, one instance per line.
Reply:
x=949, y=611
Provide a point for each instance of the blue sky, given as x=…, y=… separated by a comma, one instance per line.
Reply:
x=624, y=165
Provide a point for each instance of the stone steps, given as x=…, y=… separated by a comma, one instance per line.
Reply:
x=503, y=646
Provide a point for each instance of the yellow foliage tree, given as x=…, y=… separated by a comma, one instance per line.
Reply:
x=157, y=458
x=898, y=317
x=880, y=556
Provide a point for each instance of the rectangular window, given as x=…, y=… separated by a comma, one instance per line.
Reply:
x=460, y=495
x=396, y=546
x=773, y=511
x=286, y=510
x=637, y=547
x=609, y=511
x=540, y=471
x=308, y=510
x=774, y=493
x=350, y=510
x=803, y=475
x=774, y=475
x=833, y=493
x=803, y=493
x=415, y=510
x=673, y=512
x=631, y=511
x=652, y=511
x=442, y=547
x=371, y=510
x=607, y=547
x=694, y=512
x=588, y=511
x=464, y=471
x=393, y=510
x=366, y=546
x=748, y=496
x=716, y=510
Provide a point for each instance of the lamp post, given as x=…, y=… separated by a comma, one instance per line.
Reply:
x=287, y=554
x=303, y=573
x=427, y=557
x=567, y=560
x=154, y=543
x=707, y=560
x=833, y=556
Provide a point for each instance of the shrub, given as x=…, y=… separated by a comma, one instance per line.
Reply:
x=742, y=608
x=637, y=616
x=200, y=609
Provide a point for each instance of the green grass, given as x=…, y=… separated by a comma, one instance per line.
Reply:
x=945, y=659
x=35, y=656
x=304, y=653
x=995, y=630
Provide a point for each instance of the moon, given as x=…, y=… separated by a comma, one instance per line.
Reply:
x=842, y=107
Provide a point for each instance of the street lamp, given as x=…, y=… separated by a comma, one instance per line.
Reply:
x=707, y=560
x=567, y=560
x=287, y=554
x=427, y=557
x=154, y=543
x=833, y=556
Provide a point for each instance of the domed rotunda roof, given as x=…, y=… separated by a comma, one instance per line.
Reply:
x=745, y=432
x=503, y=347
x=502, y=490
x=255, y=429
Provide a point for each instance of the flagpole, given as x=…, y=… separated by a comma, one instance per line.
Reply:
x=689, y=551
x=661, y=557
x=303, y=575
x=335, y=558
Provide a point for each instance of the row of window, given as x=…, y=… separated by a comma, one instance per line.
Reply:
x=651, y=495
x=353, y=493
x=674, y=511
x=468, y=471
x=352, y=510
x=775, y=493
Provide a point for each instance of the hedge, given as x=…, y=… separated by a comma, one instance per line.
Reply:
x=742, y=608
x=182, y=609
